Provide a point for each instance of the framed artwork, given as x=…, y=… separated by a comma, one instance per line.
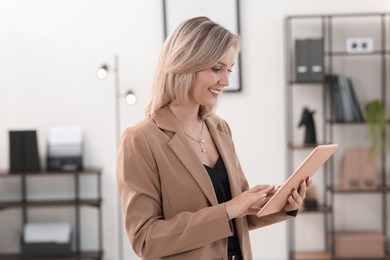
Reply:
x=224, y=12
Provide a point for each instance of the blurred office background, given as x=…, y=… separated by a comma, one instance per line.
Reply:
x=50, y=51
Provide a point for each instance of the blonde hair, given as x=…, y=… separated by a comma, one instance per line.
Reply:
x=196, y=44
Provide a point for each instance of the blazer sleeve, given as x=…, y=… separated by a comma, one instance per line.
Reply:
x=151, y=235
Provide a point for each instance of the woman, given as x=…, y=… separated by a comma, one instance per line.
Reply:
x=182, y=188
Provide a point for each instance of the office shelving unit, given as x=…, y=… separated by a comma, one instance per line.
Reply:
x=76, y=202
x=334, y=29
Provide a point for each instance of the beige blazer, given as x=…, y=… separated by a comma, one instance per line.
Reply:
x=169, y=204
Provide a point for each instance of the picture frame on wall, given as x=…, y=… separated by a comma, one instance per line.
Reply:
x=224, y=12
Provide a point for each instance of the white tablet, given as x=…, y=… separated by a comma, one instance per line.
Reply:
x=307, y=169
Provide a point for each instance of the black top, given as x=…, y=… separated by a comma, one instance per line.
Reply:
x=220, y=180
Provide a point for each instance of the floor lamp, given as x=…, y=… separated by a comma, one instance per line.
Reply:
x=130, y=98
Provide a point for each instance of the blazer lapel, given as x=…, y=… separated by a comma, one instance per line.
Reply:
x=225, y=148
x=166, y=120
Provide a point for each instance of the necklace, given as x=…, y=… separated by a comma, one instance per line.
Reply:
x=201, y=139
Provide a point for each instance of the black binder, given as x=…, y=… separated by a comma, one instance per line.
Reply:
x=346, y=107
x=302, y=61
x=309, y=60
x=24, y=154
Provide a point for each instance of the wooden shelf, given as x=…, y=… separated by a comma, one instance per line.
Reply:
x=364, y=258
x=81, y=255
x=328, y=256
x=339, y=15
x=348, y=54
x=334, y=122
x=50, y=203
x=321, y=209
x=312, y=256
x=307, y=83
x=378, y=189
x=302, y=145
x=91, y=170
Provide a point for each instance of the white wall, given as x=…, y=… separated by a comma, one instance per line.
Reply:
x=51, y=50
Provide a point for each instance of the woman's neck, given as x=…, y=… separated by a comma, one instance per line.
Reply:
x=187, y=115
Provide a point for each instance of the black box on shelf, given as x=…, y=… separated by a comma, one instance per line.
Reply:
x=66, y=163
x=45, y=249
x=46, y=239
x=310, y=204
x=65, y=148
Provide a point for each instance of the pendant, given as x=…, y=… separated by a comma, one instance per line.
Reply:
x=201, y=141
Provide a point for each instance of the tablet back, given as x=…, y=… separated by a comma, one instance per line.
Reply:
x=307, y=169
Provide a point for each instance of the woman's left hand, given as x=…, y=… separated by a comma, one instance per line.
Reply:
x=296, y=197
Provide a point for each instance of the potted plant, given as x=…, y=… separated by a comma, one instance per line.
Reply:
x=377, y=120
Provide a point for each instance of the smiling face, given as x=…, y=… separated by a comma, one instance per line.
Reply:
x=210, y=82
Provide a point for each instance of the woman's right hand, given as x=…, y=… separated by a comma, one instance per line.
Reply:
x=243, y=204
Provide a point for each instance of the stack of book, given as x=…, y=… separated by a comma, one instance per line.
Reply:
x=345, y=105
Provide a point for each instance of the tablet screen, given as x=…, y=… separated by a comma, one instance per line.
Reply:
x=308, y=168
